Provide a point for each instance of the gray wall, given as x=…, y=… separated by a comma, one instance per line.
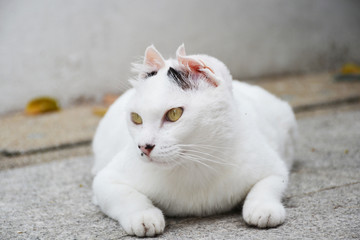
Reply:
x=71, y=49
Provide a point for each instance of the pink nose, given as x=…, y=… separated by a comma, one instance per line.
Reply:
x=146, y=149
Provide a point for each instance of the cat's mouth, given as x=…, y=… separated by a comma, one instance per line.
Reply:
x=154, y=161
x=167, y=164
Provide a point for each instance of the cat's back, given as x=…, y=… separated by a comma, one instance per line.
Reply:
x=111, y=135
x=273, y=117
x=261, y=100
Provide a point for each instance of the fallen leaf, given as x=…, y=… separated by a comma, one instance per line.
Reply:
x=348, y=72
x=100, y=111
x=41, y=105
x=350, y=68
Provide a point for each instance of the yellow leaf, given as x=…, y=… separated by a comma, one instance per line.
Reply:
x=41, y=105
x=350, y=68
x=99, y=111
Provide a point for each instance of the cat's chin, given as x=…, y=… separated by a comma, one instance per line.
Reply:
x=157, y=162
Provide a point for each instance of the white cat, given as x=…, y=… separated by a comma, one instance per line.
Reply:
x=188, y=140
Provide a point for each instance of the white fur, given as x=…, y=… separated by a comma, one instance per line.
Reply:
x=233, y=142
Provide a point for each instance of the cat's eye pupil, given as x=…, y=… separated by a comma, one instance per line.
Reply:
x=174, y=114
x=135, y=118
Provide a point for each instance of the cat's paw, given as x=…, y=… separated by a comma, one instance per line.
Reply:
x=147, y=223
x=263, y=214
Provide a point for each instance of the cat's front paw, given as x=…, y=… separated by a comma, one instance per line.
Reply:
x=263, y=214
x=147, y=223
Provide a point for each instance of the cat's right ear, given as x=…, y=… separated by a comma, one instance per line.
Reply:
x=153, y=59
x=153, y=62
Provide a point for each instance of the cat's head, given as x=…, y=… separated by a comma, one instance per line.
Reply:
x=181, y=112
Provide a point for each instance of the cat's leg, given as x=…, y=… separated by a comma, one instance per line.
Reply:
x=134, y=211
x=263, y=207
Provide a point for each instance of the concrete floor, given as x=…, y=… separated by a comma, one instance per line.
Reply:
x=46, y=183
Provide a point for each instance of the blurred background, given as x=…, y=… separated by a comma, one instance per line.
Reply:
x=79, y=50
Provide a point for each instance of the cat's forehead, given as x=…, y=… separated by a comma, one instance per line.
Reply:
x=159, y=83
x=158, y=90
x=170, y=78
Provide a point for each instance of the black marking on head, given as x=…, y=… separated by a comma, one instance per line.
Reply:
x=150, y=74
x=179, y=78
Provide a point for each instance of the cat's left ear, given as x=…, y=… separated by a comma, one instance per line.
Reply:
x=153, y=59
x=196, y=66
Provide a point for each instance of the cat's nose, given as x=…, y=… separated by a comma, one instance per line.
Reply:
x=146, y=149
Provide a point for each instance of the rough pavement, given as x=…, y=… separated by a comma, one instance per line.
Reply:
x=52, y=200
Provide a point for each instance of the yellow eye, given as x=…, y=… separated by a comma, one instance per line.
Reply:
x=174, y=114
x=135, y=118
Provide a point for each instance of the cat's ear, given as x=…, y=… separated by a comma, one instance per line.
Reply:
x=180, y=51
x=196, y=66
x=153, y=59
x=152, y=63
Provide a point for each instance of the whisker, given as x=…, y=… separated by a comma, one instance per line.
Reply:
x=195, y=159
x=203, y=149
x=203, y=146
x=214, y=159
x=206, y=154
